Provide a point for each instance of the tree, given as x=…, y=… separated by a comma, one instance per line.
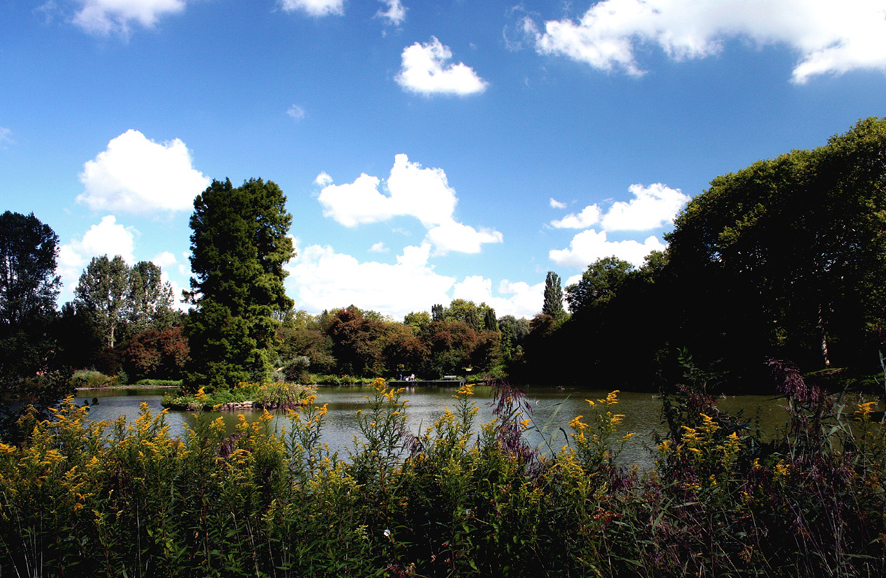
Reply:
x=124, y=301
x=437, y=312
x=28, y=290
x=150, y=298
x=553, y=303
x=156, y=354
x=418, y=321
x=490, y=323
x=790, y=253
x=28, y=283
x=239, y=246
x=599, y=284
x=355, y=342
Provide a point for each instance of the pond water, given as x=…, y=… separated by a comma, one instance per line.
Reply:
x=552, y=410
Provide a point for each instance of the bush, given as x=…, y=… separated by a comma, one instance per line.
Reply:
x=451, y=500
x=94, y=379
x=262, y=396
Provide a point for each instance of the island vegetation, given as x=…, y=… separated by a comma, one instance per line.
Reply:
x=773, y=280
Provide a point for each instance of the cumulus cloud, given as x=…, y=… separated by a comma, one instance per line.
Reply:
x=165, y=260
x=454, y=236
x=378, y=248
x=296, y=112
x=138, y=175
x=828, y=36
x=107, y=238
x=522, y=300
x=322, y=279
x=555, y=204
x=104, y=17
x=410, y=190
x=315, y=7
x=590, y=245
x=395, y=13
x=652, y=207
x=323, y=179
x=426, y=70
x=589, y=216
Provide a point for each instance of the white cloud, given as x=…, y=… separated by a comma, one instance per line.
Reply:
x=590, y=245
x=423, y=193
x=524, y=300
x=828, y=36
x=454, y=236
x=106, y=238
x=355, y=203
x=425, y=71
x=315, y=7
x=104, y=17
x=137, y=175
x=5, y=136
x=296, y=112
x=165, y=260
x=322, y=279
x=323, y=179
x=395, y=13
x=555, y=204
x=652, y=207
x=378, y=248
x=589, y=216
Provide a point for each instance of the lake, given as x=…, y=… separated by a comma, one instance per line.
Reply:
x=552, y=409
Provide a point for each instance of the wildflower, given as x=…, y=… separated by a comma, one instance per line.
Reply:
x=577, y=424
x=387, y=533
x=864, y=410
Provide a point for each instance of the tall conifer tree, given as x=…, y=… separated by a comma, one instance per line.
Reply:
x=553, y=304
x=239, y=246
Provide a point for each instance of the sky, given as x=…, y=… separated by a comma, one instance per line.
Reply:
x=429, y=150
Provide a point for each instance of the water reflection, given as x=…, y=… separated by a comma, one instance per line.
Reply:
x=552, y=410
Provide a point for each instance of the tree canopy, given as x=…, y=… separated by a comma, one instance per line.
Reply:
x=239, y=246
x=28, y=283
x=123, y=301
x=789, y=254
x=28, y=291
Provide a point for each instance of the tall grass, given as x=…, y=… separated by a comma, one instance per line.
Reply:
x=79, y=498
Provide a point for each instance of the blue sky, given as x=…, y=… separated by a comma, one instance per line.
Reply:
x=429, y=150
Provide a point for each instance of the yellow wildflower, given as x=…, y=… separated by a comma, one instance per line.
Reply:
x=577, y=424
x=864, y=410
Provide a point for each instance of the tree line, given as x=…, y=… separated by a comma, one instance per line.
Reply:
x=783, y=259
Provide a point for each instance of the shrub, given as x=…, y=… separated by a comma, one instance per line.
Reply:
x=450, y=500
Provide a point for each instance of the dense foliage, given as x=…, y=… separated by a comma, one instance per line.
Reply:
x=29, y=368
x=453, y=500
x=121, y=301
x=785, y=258
x=239, y=245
